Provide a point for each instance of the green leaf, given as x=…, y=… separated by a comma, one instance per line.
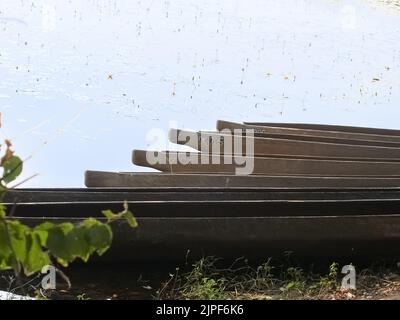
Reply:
x=125, y=214
x=130, y=219
x=12, y=169
x=36, y=258
x=77, y=245
x=100, y=237
x=42, y=231
x=89, y=222
x=56, y=243
x=65, y=227
x=3, y=211
x=5, y=250
x=110, y=215
x=18, y=233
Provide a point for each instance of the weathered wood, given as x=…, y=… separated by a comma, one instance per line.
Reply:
x=329, y=127
x=221, y=125
x=207, y=181
x=211, y=208
x=19, y=196
x=174, y=238
x=358, y=142
x=226, y=143
x=172, y=162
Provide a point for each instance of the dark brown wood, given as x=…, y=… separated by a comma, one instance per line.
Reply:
x=221, y=125
x=291, y=136
x=211, y=208
x=137, y=195
x=225, y=144
x=328, y=127
x=207, y=181
x=265, y=166
x=174, y=238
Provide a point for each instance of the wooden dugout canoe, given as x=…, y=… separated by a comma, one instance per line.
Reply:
x=221, y=125
x=183, y=238
x=356, y=142
x=328, y=127
x=179, y=162
x=229, y=229
x=212, y=208
x=198, y=207
x=94, y=195
x=152, y=180
x=207, y=142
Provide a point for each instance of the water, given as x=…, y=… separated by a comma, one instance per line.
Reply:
x=82, y=82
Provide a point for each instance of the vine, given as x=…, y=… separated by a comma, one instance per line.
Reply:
x=27, y=250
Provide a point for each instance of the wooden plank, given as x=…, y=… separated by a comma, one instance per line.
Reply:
x=221, y=125
x=214, y=181
x=175, y=238
x=328, y=127
x=216, y=194
x=172, y=162
x=335, y=140
x=211, y=208
x=224, y=144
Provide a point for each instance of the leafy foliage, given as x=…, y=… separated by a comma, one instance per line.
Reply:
x=12, y=165
x=125, y=214
x=28, y=249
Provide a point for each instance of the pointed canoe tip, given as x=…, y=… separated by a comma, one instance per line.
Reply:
x=173, y=135
x=220, y=124
x=88, y=178
x=138, y=156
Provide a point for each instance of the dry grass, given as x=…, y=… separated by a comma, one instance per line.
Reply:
x=278, y=280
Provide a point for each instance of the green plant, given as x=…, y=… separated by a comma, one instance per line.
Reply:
x=205, y=289
x=200, y=282
x=264, y=275
x=295, y=281
x=82, y=297
x=203, y=281
x=328, y=282
x=27, y=250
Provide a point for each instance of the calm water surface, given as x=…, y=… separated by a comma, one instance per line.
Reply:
x=82, y=82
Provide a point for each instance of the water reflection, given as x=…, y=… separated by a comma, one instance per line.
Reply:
x=83, y=81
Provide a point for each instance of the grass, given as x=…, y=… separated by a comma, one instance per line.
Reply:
x=271, y=280
x=211, y=278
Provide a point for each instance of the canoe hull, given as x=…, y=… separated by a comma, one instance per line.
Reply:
x=253, y=223
x=328, y=127
x=260, y=129
x=165, y=180
x=254, y=237
x=180, y=195
x=221, y=143
x=190, y=162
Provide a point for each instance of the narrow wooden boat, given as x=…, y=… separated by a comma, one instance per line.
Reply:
x=212, y=181
x=356, y=142
x=221, y=125
x=182, y=238
x=207, y=142
x=190, y=162
x=136, y=195
x=227, y=224
x=328, y=127
x=211, y=208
